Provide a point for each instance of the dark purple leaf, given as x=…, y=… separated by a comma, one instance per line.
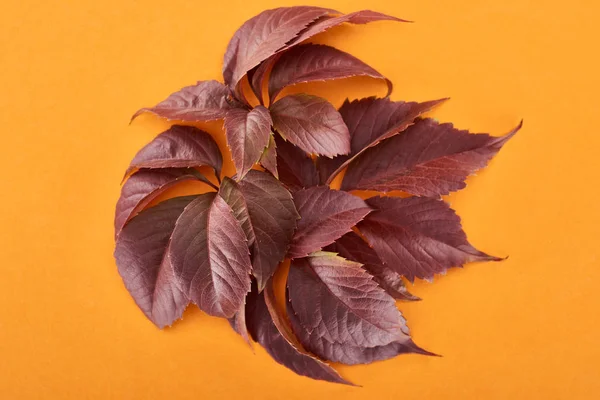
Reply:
x=418, y=237
x=325, y=215
x=352, y=247
x=268, y=159
x=204, y=101
x=210, y=256
x=248, y=134
x=258, y=75
x=428, y=159
x=146, y=271
x=295, y=168
x=312, y=124
x=238, y=323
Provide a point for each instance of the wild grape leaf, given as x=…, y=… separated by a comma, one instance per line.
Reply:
x=179, y=147
x=269, y=328
x=267, y=214
x=325, y=215
x=312, y=62
x=268, y=159
x=204, y=101
x=352, y=247
x=418, y=237
x=142, y=262
x=312, y=124
x=428, y=159
x=248, y=133
x=210, y=256
x=295, y=168
x=238, y=323
x=335, y=301
x=369, y=121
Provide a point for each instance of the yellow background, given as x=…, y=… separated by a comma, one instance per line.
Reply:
x=73, y=72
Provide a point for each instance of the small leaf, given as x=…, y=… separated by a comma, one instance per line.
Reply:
x=210, y=256
x=268, y=159
x=428, y=159
x=295, y=168
x=146, y=271
x=325, y=215
x=418, y=237
x=248, y=134
x=312, y=124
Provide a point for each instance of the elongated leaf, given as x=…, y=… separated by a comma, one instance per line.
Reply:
x=352, y=247
x=418, y=237
x=210, y=256
x=267, y=214
x=369, y=121
x=268, y=159
x=179, y=147
x=295, y=168
x=146, y=270
x=312, y=124
x=238, y=323
x=248, y=134
x=428, y=159
x=269, y=328
x=325, y=215
x=204, y=101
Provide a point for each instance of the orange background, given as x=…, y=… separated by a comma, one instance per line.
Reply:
x=73, y=72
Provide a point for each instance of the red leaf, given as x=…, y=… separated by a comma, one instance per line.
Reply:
x=325, y=215
x=312, y=124
x=268, y=159
x=418, y=237
x=238, y=323
x=248, y=134
x=146, y=271
x=428, y=159
x=210, y=256
x=295, y=168
x=204, y=101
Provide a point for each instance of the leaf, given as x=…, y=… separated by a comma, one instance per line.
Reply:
x=267, y=215
x=204, y=101
x=268, y=159
x=428, y=159
x=238, y=323
x=269, y=328
x=418, y=237
x=325, y=215
x=179, y=147
x=352, y=247
x=311, y=62
x=334, y=306
x=312, y=124
x=248, y=134
x=369, y=121
x=295, y=168
x=140, y=254
x=257, y=76
x=210, y=256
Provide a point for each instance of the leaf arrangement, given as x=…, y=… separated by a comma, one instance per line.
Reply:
x=349, y=257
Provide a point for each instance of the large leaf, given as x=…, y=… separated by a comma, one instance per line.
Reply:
x=210, y=256
x=338, y=311
x=325, y=215
x=312, y=124
x=296, y=169
x=179, y=147
x=204, y=101
x=269, y=328
x=248, y=133
x=352, y=247
x=428, y=159
x=369, y=121
x=141, y=255
x=418, y=237
x=311, y=62
x=267, y=214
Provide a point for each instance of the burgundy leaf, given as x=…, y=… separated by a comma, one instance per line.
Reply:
x=418, y=237
x=267, y=214
x=248, y=134
x=269, y=328
x=369, y=121
x=268, y=159
x=352, y=247
x=238, y=323
x=204, y=101
x=428, y=159
x=258, y=75
x=146, y=271
x=312, y=124
x=210, y=256
x=295, y=168
x=179, y=147
x=326, y=215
